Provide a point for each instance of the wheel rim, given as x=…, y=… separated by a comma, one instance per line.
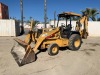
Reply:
x=77, y=43
x=54, y=49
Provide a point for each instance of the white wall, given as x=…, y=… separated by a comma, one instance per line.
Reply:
x=9, y=28
x=93, y=27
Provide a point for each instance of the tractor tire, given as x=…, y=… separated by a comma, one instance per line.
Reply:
x=74, y=42
x=53, y=49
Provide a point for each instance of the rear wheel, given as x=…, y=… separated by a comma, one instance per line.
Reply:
x=74, y=42
x=53, y=49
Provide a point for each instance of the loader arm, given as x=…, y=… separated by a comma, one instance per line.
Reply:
x=43, y=36
x=30, y=37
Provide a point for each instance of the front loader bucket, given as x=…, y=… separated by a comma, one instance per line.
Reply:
x=22, y=53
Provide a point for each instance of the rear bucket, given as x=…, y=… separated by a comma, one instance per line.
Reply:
x=22, y=53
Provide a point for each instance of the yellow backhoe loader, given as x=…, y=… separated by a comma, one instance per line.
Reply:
x=47, y=38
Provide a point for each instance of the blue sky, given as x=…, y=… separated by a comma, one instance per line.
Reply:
x=35, y=8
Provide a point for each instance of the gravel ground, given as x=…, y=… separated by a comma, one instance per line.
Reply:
x=85, y=61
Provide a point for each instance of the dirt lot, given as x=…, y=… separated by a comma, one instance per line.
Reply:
x=85, y=61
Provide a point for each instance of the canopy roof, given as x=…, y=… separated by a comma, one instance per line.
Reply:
x=70, y=13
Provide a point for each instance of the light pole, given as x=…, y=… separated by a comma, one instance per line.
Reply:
x=21, y=11
x=45, y=15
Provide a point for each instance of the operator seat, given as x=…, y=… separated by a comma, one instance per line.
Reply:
x=65, y=32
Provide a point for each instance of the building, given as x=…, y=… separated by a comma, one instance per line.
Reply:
x=4, y=13
x=42, y=25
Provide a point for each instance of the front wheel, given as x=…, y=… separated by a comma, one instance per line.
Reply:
x=75, y=42
x=53, y=49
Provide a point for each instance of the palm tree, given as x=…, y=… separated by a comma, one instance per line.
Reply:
x=45, y=12
x=94, y=13
x=21, y=11
x=91, y=13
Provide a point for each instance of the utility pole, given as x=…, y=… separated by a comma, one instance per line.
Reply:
x=54, y=18
x=45, y=15
x=21, y=11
